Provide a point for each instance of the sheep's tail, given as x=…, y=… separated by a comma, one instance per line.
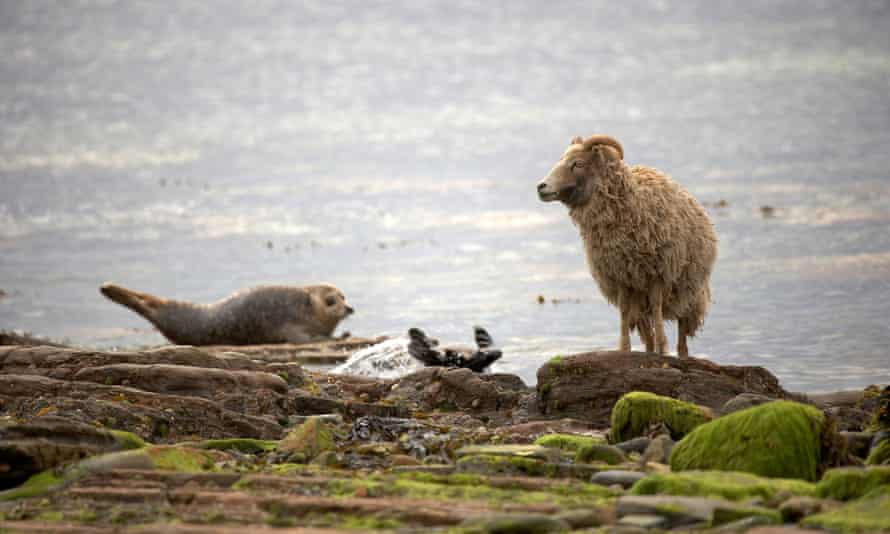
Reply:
x=141, y=303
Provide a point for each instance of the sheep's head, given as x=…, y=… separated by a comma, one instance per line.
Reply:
x=571, y=180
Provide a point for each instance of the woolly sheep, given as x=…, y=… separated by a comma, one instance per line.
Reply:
x=650, y=245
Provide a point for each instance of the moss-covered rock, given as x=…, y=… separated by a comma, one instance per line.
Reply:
x=242, y=445
x=880, y=454
x=128, y=440
x=728, y=485
x=724, y=515
x=518, y=451
x=600, y=453
x=881, y=416
x=867, y=514
x=852, y=482
x=780, y=439
x=309, y=439
x=633, y=414
x=568, y=442
x=489, y=464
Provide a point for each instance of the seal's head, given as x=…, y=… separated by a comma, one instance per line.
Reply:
x=329, y=305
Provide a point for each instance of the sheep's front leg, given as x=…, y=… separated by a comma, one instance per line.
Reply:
x=645, y=328
x=656, y=300
x=682, y=332
x=624, y=306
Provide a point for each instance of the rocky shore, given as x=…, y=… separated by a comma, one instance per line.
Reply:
x=245, y=439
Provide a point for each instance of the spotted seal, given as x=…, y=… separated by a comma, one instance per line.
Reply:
x=264, y=314
x=422, y=349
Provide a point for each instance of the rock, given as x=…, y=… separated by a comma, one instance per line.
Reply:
x=402, y=460
x=880, y=418
x=516, y=451
x=676, y=511
x=849, y=483
x=867, y=514
x=637, y=411
x=152, y=416
x=309, y=439
x=659, y=451
x=48, y=442
x=784, y=530
x=182, y=379
x=453, y=389
x=796, y=508
x=569, y=442
x=744, y=401
x=858, y=443
x=527, y=432
x=643, y=521
x=781, y=439
x=619, y=477
x=600, y=453
x=744, y=525
x=638, y=445
x=726, y=485
x=515, y=524
x=587, y=386
x=327, y=459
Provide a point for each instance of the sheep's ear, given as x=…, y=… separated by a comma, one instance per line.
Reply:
x=576, y=140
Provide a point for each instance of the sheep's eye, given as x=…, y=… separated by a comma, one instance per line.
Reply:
x=330, y=301
x=577, y=164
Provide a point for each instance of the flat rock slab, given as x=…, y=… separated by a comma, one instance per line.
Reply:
x=321, y=353
x=587, y=386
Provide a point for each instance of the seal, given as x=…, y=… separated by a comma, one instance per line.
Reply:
x=422, y=349
x=260, y=315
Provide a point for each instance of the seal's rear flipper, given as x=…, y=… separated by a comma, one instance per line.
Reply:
x=483, y=338
x=421, y=348
x=480, y=361
x=141, y=303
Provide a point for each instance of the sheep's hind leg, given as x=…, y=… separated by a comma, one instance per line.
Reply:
x=682, y=332
x=656, y=299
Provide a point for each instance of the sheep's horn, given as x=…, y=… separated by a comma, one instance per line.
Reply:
x=604, y=140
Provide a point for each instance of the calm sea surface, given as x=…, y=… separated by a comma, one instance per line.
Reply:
x=190, y=149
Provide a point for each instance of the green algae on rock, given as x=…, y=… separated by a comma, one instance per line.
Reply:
x=309, y=439
x=600, y=453
x=568, y=442
x=780, y=439
x=879, y=455
x=848, y=483
x=242, y=445
x=636, y=411
x=729, y=485
x=867, y=514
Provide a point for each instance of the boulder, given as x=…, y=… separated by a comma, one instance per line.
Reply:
x=780, y=439
x=725, y=485
x=849, y=483
x=587, y=386
x=636, y=412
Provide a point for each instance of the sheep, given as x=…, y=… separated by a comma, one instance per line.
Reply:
x=649, y=243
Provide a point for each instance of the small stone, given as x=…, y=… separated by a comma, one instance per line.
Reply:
x=397, y=460
x=743, y=401
x=524, y=523
x=659, y=451
x=637, y=445
x=744, y=524
x=622, y=478
x=599, y=453
x=797, y=508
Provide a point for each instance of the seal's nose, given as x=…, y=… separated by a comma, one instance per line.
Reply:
x=349, y=310
x=541, y=187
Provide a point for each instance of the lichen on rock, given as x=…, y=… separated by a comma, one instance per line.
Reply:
x=780, y=439
x=633, y=414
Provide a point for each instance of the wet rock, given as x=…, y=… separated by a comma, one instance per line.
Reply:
x=659, y=451
x=744, y=401
x=587, y=386
x=622, y=478
x=781, y=439
x=638, y=445
x=308, y=440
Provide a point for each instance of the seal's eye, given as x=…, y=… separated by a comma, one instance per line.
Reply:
x=330, y=301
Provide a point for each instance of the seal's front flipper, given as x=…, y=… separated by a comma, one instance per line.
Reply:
x=141, y=303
